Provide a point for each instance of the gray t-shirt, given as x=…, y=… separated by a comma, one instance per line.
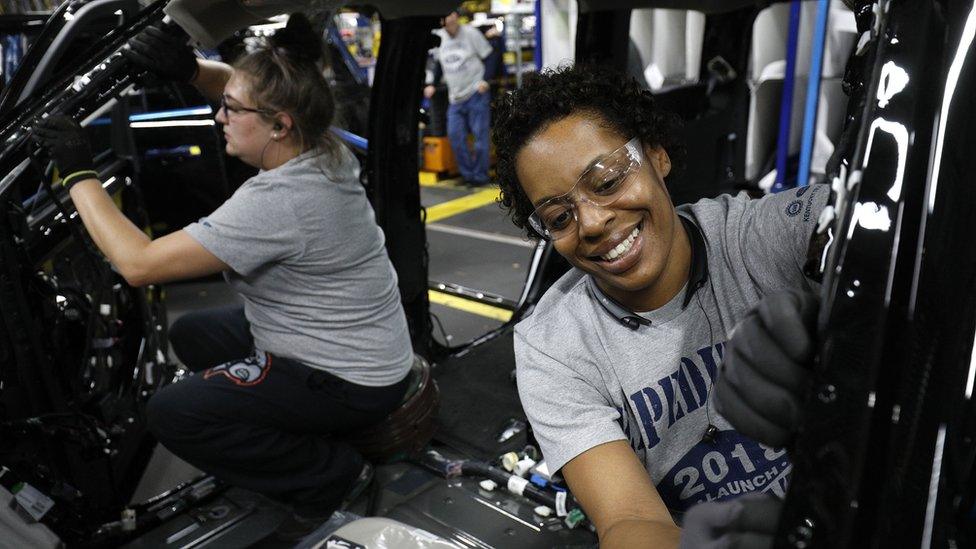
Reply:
x=585, y=378
x=460, y=57
x=309, y=261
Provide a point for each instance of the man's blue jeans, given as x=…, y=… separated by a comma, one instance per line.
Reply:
x=470, y=116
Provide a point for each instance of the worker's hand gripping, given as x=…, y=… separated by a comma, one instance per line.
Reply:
x=68, y=145
x=163, y=52
x=748, y=522
x=768, y=366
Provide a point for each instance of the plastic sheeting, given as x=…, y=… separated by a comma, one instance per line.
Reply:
x=349, y=531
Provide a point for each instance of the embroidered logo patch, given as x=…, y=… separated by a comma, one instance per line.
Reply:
x=247, y=372
x=794, y=208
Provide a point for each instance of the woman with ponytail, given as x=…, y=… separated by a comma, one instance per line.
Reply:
x=320, y=347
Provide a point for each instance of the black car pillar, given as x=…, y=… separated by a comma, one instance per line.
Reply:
x=392, y=166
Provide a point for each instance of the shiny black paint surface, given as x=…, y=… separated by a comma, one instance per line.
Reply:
x=889, y=403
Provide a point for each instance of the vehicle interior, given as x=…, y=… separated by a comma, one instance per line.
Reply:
x=81, y=352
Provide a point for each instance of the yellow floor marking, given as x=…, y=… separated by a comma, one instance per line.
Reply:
x=460, y=205
x=469, y=306
x=427, y=181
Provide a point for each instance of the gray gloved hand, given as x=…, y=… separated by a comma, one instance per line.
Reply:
x=747, y=522
x=163, y=52
x=767, y=367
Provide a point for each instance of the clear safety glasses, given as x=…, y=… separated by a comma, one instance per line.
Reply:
x=601, y=184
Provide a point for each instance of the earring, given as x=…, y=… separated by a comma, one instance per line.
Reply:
x=274, y=135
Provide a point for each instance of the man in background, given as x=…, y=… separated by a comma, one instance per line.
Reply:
x=460, y=56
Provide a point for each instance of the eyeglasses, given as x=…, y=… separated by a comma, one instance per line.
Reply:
x=237, y=109
x=601, y=184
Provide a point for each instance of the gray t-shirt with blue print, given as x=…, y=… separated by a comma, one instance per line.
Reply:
x=586, y=379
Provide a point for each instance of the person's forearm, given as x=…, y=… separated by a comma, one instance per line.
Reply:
x=117, y=237
x=211, y=78
x=641, y=533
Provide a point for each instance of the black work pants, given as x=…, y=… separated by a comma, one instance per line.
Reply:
x=263, y=422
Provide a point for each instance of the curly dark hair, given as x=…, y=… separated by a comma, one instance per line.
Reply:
x=554, y=94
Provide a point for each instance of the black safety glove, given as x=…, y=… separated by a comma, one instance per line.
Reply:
x=165, y=53
x=747, y=522
x=68, y=145
x=768, y=366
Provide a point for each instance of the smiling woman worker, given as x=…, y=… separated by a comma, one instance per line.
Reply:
x=321, y=344
x=616, y=363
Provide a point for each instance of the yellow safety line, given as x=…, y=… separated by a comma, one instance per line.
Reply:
x=469, y=306
x=460, y=205
x=441, y=184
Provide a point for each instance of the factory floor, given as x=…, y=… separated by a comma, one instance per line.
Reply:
x=473, y=244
